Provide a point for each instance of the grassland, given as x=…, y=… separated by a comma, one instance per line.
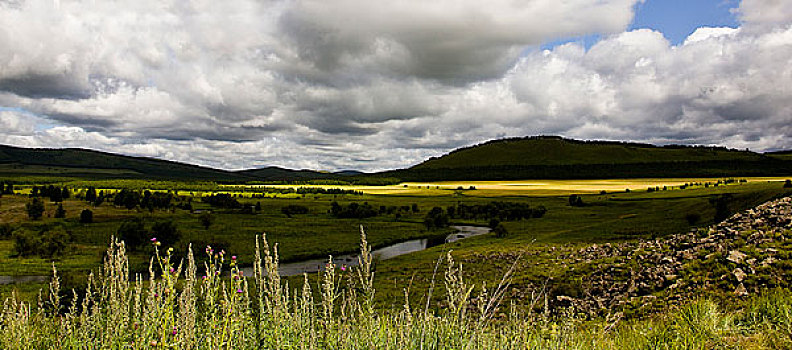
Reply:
x=610, y=217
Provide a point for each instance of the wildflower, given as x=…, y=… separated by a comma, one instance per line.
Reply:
x=239, y=290
x=156, y=295
x=153, y=239
x=233, y=257
x=343, y=268
x=153, y=343
x=172, y=270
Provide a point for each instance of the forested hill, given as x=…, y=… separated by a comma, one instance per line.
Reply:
x=553, y=157
x=82, y=163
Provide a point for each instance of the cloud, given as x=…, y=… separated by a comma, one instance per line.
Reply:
x=761, y=15
x=340, y=84
x=452, y=40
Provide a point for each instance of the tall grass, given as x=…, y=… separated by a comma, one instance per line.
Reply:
x=174, y=308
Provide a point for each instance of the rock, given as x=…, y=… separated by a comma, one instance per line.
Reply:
x=739, y=274
x=736, y=256
x=564, y=299
x=741, y=291
x=769, y=261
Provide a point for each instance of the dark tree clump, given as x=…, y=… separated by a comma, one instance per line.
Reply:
x=352, y=211
x=436, y=218
x=575, y=200
x=788, y=184
x=35, y=209
x=47, y=243
x=86, y=216
x=133, y=233
x=294, y=209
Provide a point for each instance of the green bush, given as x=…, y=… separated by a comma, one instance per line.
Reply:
x=133, y=232
x=47, y=243
x=86, y=216
x=35, y=209
x=166, y=232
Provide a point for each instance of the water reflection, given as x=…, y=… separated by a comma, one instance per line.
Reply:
x=391, y=251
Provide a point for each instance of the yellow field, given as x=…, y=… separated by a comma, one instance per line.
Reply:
x=520, y=188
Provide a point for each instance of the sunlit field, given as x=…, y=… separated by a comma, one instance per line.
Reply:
x=518, y=188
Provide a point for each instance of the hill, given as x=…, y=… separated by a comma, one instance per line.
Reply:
x=553, y=157
x=82, y=163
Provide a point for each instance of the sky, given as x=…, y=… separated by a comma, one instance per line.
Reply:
x=369, y=85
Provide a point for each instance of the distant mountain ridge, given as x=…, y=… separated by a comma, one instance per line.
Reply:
x=535, y=157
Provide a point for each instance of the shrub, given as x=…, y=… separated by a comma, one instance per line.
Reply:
x=60, y=213
x=86, y=216
x=35, y=209
x=293, y=209
x=500, y=231
x=575, y=200
x=353, y=210
x=133, y=232
x=166, y=232
x=47, y=243
x=26, y=242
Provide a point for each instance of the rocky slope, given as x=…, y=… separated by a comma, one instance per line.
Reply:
x=745, y=254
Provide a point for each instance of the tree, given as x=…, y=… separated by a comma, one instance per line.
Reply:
x=99, y=199
x=55, y=194
x=35, y=209
x=86, y=216
x=9, y=188
x=436, y=218
x=60, y=213
x=46, y=243
x=788, y=183
x=575, y=200
x=90, y=195
x=65, y=194
x=53, y=242
x=293, y=209
x=133, y=232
